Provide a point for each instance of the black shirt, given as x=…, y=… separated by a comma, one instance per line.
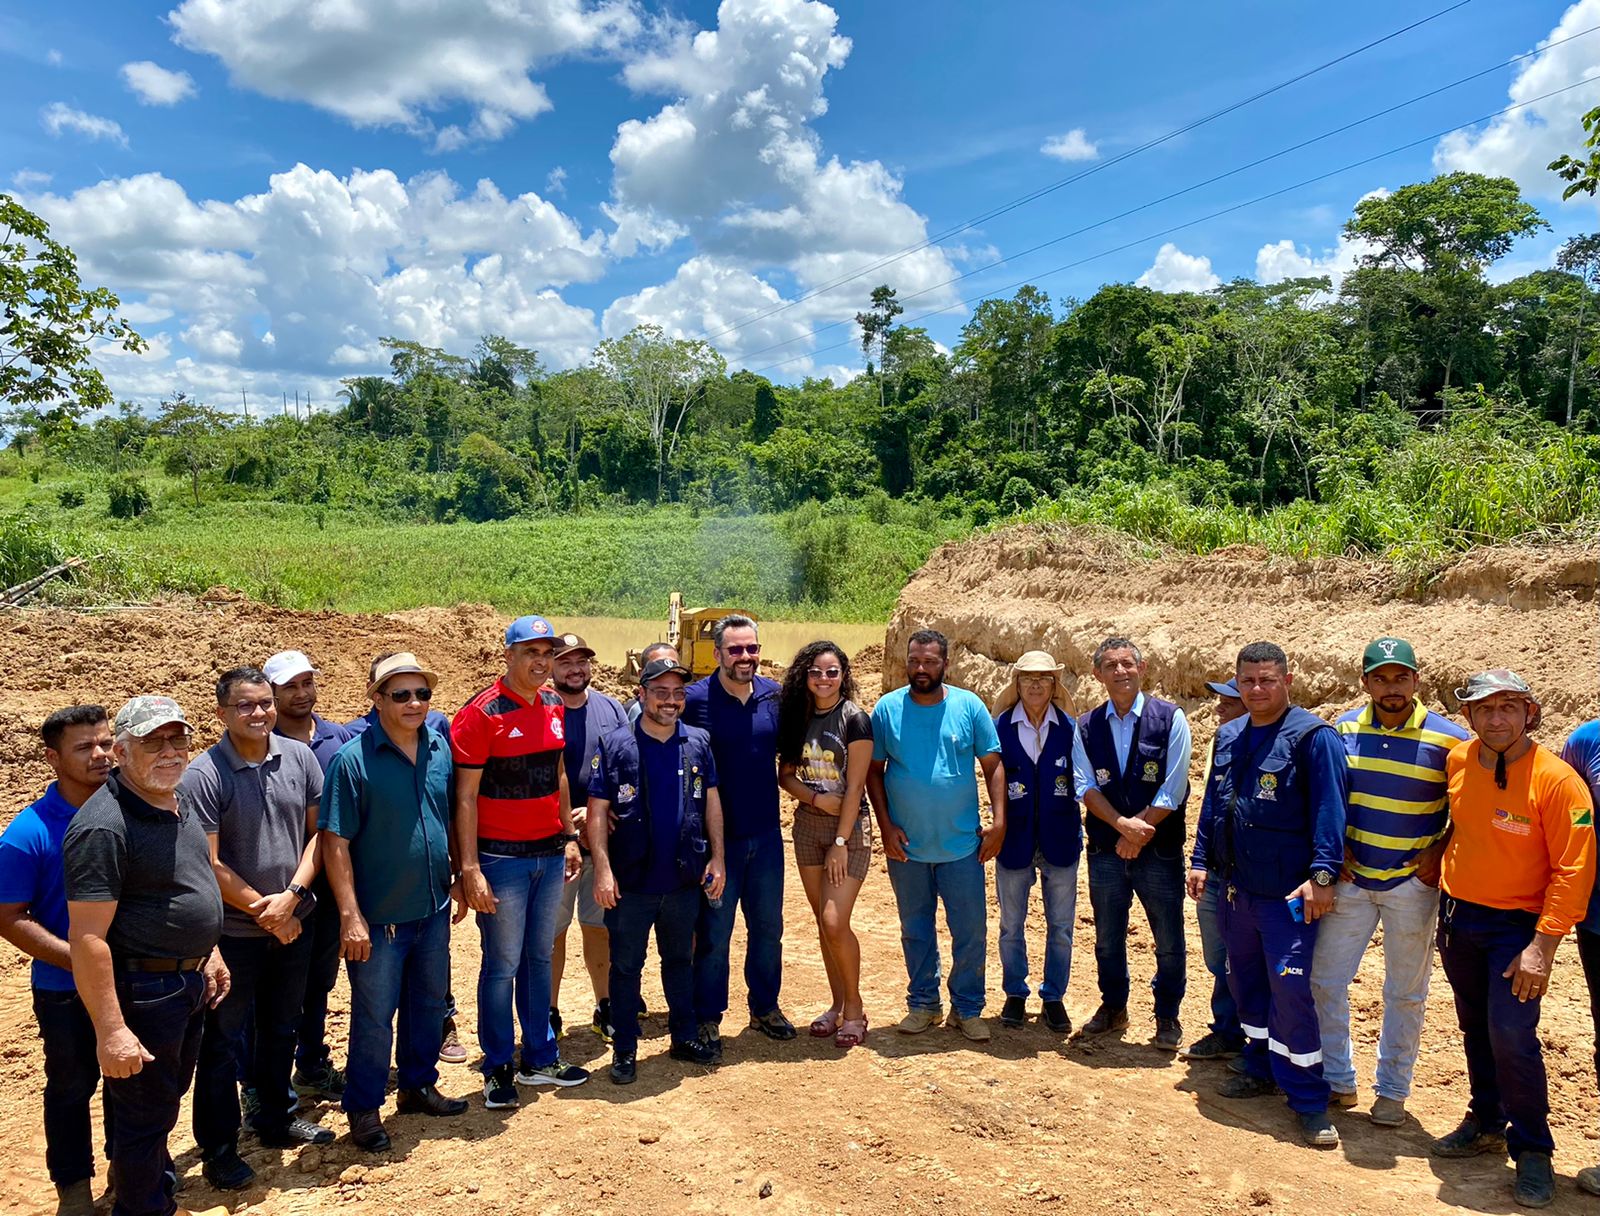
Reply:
x=155, y=864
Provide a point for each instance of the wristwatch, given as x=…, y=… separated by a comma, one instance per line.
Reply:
x=1323, y=878
x=839, y=842
x=296, y=890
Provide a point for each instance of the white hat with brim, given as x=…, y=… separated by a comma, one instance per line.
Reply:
x=1034, y=662
x=402, y=664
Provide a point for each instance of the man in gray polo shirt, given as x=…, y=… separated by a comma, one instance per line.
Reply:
x=144, y=917
x=257, y=795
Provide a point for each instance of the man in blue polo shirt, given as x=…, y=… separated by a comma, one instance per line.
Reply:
x=1396, y=822
x=33, y=918
x=739, y=709
x=1582, y=752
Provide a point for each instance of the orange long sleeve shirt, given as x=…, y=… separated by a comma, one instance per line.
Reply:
x=1529, y=846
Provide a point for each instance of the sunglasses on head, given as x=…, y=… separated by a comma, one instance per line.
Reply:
x=753, y=648
x=401, y=695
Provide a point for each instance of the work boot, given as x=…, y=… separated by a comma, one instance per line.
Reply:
x=1169, y=1034
x=1468, y=1140
x=1106, y=1019
x=1342, y=1099
x=429, y=1101
x=974, y=1028
x=1536, y=1181
x=225, y=1169
x=366, y=1131
x=1014, y=1012
x=1388, y=1112
x=1589, y=1179
x=75, y=1199
x=918, y=1020
x=1318, y=1130
x=1212, y=1046
x=1244, y=1085
x=1055, y=1017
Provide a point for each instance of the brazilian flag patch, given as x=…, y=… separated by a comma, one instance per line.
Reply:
x=1582, y=817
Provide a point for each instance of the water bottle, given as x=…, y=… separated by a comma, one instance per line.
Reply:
x=717, y=902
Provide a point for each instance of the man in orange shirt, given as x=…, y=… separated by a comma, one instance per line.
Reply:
x=1517, y=875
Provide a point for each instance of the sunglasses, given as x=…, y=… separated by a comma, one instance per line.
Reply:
x=154, y=745
x=736, y=651
x=402, y=695
x=824, y=673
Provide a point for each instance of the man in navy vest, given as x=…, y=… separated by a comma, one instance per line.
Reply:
x=1047, y=774
x=1272, y=833
x=1139, y=748
x=656, y=781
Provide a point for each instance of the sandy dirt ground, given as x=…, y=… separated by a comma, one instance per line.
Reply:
x=1029, y=1122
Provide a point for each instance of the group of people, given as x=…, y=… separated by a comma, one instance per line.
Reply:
x=187, y=918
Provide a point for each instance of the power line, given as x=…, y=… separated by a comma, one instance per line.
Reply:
x=1039, y=193
x=1200, y=185
x=1310, y=181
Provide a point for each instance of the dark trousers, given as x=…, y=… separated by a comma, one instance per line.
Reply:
x=322, y=973
x=165, y=1013
x=1505, y=1065
x=755, y=884
x=672, y=916
x=269, y=982
x=1159, y=883
x=1589, y=954
x=71, y=1072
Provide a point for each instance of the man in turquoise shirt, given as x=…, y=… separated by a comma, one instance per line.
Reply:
x=926, y=740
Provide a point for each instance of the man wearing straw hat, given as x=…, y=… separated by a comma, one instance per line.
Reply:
x=1047, y=777
x=1516, y=877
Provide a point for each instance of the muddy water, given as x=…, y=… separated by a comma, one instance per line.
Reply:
x=611, y=636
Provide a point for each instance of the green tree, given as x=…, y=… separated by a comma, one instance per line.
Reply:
x=1582, y=171
x=875, y=325
x=192, y=431
x=1579, y=257
x=657, y=378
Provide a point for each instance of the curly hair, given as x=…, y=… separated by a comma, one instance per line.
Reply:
x=794, y=699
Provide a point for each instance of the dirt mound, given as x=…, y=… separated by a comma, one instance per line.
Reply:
x=1064, y=590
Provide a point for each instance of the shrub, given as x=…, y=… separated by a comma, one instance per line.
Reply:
x=27, y=548
x=130, y=497
x=70, y=497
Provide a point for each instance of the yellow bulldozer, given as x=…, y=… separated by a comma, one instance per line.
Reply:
x=689, y=629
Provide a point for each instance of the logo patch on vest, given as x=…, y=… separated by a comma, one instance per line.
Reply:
x=1152, y=771
x=1102, y=775
x=699, y=788
x=626, y=793
x=1510, y=821
x=1016, y=789
x=1268, y=790
x=1063, y=786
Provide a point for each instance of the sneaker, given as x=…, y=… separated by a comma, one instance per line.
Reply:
x=1342, y=1099
x=1105, y=1020
x=322, y=1081
x=974, y=1028
x=75, y=1199
x=1536, y=1181
x=624, y=1069
x=249, y=1103
x=226, y=1170
x=429, y=1101
x=557, y=1073
x=450, y=1050
x=919, y=1020
x=1014, y=1012
x=296, y=1131
x=711, y=1036
x=694, y=1051
x=1055, y=1017
x=1169, y=1034
x=601, y=1024
x=1243, y=1085
x=774, y=1025
x=1468, y=1140
x=557, y=1029
x=1212, y=1046
x=366, y=1131
x=1318, y=1130
x=1388, y=1112
x=1237, y=1065
x=499, y=1087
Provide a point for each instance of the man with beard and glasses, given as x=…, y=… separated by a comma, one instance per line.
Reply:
x=591, y=715
x=33, y=918
x=652, y=652
x=144, y=918
x=1396, y=821
x=928, y=738
x=738, y=708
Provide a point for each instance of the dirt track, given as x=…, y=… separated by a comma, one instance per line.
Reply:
x=927, y=1124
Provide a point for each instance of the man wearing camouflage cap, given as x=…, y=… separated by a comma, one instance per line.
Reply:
x=1516, y=876
x=144, y=917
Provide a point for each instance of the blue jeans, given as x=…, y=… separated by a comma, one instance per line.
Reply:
x=1408, y=913
x=71, y=1073
x=516, y=947
x=918, y=887
x=1159, y=883
x=409, y=972
x=1060, y=888
x=673, y=917
x=755, y=883
x=1224, y=1012
x=1505, y=1063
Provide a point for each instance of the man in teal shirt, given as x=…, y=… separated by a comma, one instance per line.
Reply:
x=926, y=740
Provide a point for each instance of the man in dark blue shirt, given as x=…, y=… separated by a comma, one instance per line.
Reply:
x=658, y=780
x=33, y=918
x=739, y=709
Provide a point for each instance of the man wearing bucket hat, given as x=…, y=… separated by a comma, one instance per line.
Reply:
x=1396, y=819
x=517, y=848
x=144, y=918
x=1139, y=747
x=1047, y=778
x=385, y=823
x=1517, y=876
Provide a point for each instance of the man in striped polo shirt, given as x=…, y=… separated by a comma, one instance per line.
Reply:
x=1396, y=823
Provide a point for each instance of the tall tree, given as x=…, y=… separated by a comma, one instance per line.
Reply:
x=1580, y=257
x=657, y=378
x=875, y=324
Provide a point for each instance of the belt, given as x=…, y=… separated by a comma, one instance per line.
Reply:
x=161, y=964
x=547, y=846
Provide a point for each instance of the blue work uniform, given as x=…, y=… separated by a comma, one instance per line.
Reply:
x=1273, y=813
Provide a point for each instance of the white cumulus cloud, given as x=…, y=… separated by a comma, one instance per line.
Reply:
x=1174, y=270
x=155, y=85
x=1287, y=259
x=28, y=179
x=1074, y=145
x=58, y=117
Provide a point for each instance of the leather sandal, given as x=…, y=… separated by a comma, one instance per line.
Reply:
x=852, y=1032
x=825, y=1025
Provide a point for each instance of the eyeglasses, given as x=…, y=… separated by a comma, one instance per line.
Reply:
x=154, y=745
x=1037, y=680
x=824, y=673
x=665, y=694
x=754, y=648
x=252, y=707
x=401, y=695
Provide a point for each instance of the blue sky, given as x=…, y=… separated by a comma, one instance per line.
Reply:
x=274, y=185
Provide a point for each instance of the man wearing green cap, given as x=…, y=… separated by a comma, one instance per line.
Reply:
x=1397, y=816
